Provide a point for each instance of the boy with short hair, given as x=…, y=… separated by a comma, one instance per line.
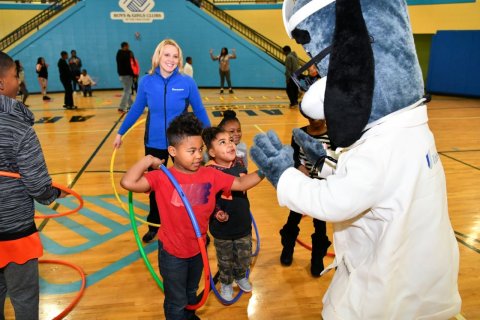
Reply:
x=180, y=261
x=20, y=152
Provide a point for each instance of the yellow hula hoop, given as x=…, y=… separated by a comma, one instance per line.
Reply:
x=112, y=162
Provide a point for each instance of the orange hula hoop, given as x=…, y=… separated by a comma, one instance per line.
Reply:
x=56, y=185
x=79, y=295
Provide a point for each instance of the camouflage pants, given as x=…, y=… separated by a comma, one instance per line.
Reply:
x=234, y=258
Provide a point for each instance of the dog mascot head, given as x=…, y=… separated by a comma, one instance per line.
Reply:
x=365, y=53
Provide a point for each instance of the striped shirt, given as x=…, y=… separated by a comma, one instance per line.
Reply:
x=20, y=152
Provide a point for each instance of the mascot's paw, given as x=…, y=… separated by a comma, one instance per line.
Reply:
x=271, y=156
x=313, y=149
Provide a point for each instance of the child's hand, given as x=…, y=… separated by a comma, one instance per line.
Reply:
x=156, y=162
x=221, y=216
x=63, y=194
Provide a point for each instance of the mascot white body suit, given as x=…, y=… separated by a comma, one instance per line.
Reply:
x=396, y=253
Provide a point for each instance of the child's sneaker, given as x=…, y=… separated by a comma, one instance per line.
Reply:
x=244, y=284
x=226, y=292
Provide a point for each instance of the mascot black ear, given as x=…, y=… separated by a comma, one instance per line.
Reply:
x=350, y=78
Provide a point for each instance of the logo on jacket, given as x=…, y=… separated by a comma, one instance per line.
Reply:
x=137, y=11
x=178, y=89
x=432, y=158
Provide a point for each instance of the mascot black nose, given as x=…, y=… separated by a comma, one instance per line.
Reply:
x=301, y=36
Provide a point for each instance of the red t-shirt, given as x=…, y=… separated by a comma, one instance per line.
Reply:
x=176, y=231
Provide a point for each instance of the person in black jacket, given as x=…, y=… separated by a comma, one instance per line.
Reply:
x=125, y=72
x=66, y=79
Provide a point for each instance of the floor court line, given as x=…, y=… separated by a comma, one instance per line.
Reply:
x=84, y=167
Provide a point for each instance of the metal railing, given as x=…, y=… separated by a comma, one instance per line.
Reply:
x=26, y=1
x=268, y=46
x=35, y=22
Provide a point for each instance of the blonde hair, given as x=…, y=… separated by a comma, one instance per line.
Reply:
x=158, y=53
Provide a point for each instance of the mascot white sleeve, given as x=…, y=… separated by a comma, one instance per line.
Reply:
x=396, y=253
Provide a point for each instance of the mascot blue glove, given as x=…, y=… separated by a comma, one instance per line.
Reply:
x=313, y=149
x=271, y=156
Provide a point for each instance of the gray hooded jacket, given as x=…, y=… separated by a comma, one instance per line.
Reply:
x=20, y=152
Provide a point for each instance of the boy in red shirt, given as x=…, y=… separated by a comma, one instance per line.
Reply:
x=180, y=261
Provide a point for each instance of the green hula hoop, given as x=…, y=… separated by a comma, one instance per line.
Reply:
x=139, y=242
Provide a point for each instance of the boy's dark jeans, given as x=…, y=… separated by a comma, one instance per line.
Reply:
x=180, y=283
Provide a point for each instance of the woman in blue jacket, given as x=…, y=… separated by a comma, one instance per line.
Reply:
x=167, y=93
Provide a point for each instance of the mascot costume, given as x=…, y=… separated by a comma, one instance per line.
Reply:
x=396, y=253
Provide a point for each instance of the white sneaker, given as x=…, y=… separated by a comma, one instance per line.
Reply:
x=226, y=292
x=244, y=284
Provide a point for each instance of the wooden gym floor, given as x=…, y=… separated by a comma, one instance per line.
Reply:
x=78, y=150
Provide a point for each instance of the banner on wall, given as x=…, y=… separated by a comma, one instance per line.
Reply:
x=137, y=11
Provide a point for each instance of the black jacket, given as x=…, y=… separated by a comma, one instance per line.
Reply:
x=124, y=68
x=64, y=70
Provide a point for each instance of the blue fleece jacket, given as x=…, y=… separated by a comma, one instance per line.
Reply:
x=166, y=98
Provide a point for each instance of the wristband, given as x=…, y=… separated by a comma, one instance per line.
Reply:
x=260, y=174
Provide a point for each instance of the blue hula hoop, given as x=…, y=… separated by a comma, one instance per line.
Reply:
x=198, y=234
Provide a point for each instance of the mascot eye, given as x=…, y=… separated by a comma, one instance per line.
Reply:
x=303, y=82
x=301, y=36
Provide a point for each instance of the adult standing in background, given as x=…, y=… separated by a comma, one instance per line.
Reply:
x=136, y=72
x=21, y=81
x=166, y=92
x=66, y=80
x=188, y=68
x=75, y=64
x=42, y=73
x=125, y=72
x=224, y=66
x=291, y=65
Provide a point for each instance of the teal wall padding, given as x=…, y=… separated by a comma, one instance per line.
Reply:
x=454, y=63
x=88, y=28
